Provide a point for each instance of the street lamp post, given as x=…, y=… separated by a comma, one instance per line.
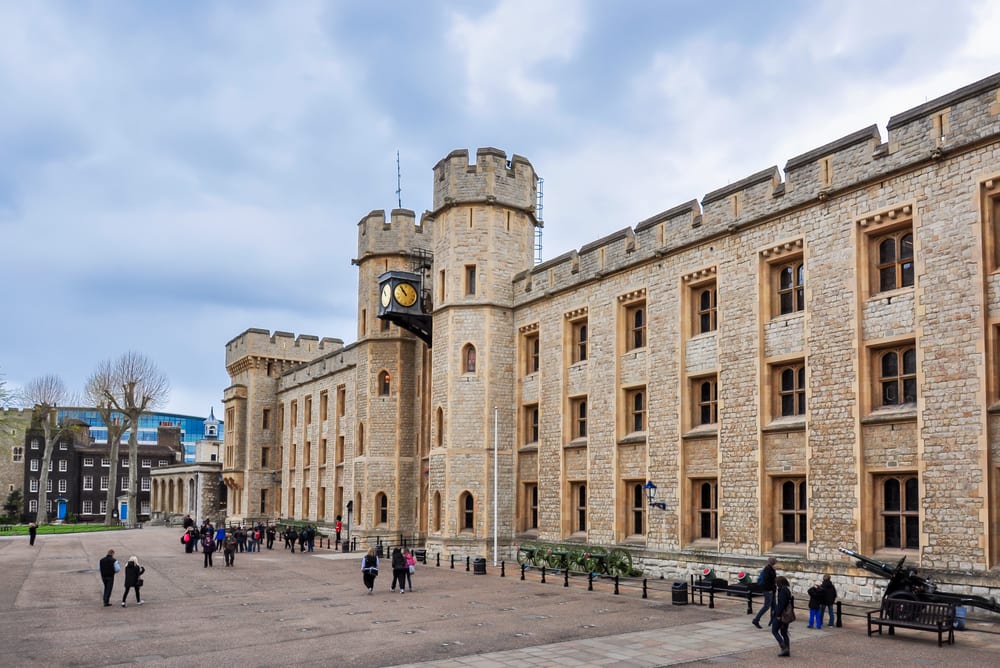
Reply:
x=346, y=545
x=651, y=494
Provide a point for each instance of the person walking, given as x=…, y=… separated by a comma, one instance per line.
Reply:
x=411, y=567
x=133, y=579
x=829, y=597
x=189, y=541
x=108, y=566
x=766, y=581
x=398, y=570
x=369, y=569
x=270, y=536
x=816, y=605
x=229, y=545
x=32, y=532
x=782, y=600
x=208, y=547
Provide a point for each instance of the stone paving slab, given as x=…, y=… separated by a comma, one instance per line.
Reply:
x=304, y=610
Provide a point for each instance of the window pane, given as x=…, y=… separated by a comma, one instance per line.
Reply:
x=912, y=533
x=890, y=491
x=892, y=531
x=887, y=251
x=909, y=361
x=706, y=495
x=912, y=495
x=802, y=528
x=890, y=366
x=910, y=390
x=788, y=495
x=890, y=394
x=906, y=247
x=802, y=496
x=788, y=528
x=887, y=278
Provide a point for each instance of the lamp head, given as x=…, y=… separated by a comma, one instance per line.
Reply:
x=650, y=490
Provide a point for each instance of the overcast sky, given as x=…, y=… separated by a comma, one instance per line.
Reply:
x=172, y=173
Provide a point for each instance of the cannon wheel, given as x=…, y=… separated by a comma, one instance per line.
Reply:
x=902, y=613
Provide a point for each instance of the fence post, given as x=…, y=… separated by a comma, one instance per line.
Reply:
x=711, y=598
x=749, y=601
x=590, y=581
x=438, y=560
x=501, y=570
x=543, y=574
x=566, y=577
x=616, y=585
x=839, y=621
x=644, y=588
x=523, y=568
x=467, y=560
x=453, y=561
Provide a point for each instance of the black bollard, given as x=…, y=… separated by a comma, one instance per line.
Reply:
x=616, y=585
x=439, y=560
x=453, y=562
x=501, y=570
x=839, y=621
x=644, y=588
x=749, y=602
x=543, y=574
x=467, y=559
x=524, y=567
x=566, y=578
x=590, y=582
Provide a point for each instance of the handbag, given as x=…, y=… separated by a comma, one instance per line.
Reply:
x=788, y=614
x=413, y=569
x=138, y=583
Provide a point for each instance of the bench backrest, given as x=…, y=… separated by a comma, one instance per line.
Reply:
x=919, y=612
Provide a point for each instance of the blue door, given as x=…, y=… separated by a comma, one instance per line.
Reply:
x=60, y=509
x=123, y=511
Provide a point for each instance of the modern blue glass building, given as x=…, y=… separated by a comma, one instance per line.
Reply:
x=193, y=429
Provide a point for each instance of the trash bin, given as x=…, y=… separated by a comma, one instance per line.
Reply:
x=379, y=551
x=680, y=593
x=479, y=566
x=420, y=555
x=345, y=546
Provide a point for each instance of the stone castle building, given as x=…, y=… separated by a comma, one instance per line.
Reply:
x=802, y=360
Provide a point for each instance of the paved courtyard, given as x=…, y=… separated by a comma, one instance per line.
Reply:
x=276, y=608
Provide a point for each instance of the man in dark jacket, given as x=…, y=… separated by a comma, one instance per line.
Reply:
x=766, y=582
x=108, y=567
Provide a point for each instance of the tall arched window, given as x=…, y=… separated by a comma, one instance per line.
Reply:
x=357, y=508
x=439, y=427
x=469, y=358
x=382, y=508
x=383, y=383
x=437, y=511
x=361, y=439
x=467, y=505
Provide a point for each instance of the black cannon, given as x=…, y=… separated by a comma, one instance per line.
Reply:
x=905, y=584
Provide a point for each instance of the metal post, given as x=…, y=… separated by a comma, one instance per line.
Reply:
x=711, y=598
x=438, y=560
x=452, y=561
x=467, y=560
x=839, y=620
x=590, y=582
x=616, y=585
x=501, y=570
x=543, y=574
x=496, y=526
x=644, y=588
x=749, y=601
x=565, y=577
x=523, y=568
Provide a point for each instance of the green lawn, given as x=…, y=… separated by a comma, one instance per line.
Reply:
x=22, y=529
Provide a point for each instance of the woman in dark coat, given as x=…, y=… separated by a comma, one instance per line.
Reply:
x=399, y=569
x=133, y=579
x=779, y=629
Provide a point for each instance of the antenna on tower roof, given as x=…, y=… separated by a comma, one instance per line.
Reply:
x=399, y=188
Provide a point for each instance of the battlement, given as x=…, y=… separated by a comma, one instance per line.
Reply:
x=16, y=413
x=399, y=235
x=279, y=346
x=492, y=178
x=928, y=134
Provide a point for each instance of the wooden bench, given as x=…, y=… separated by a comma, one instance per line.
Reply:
x=919, y=615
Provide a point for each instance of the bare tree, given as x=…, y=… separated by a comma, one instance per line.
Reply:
x=104, y=385
x=143, y=388
x=45, y=394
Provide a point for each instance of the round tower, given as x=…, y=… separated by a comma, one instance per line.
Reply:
x=484, y=230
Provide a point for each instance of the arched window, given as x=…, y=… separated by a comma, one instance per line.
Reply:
x=467, y=506
x=382, y=508
x=437, y=511
x=357, y=508
x=361, y=439
x=469, y=358
x=383, y=383
x=439, y=424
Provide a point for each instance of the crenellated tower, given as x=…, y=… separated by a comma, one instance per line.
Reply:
x=484, y=230
x=388, y=434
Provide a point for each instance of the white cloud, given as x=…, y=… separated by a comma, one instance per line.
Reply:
x=505, y=49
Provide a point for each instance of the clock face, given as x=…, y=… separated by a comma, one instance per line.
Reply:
x=386, y=294
x=405, y=294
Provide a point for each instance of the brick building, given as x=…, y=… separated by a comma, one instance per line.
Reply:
x=803, y=360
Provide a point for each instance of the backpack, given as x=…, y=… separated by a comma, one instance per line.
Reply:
x=760, y=577
x=186, y=538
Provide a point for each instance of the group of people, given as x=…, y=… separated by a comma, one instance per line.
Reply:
x=404, y=564
x=778, y=600
x=109, y=568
